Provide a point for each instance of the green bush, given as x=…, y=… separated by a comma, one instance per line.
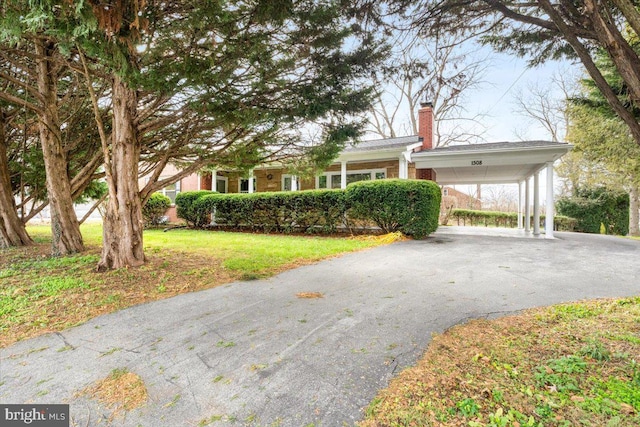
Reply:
x=185, y=208
x=409, y=206
x=507, y=219
x=592, y=207
x=153, y=211
x=285, y=212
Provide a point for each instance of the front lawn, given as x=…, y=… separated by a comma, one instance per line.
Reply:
x=562, y=366
x=41, y=294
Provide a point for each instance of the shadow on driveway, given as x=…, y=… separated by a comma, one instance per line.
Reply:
x=252, y=353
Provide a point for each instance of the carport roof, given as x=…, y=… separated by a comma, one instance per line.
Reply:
x=490, y=163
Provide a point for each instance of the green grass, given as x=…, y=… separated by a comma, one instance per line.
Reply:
x=249, y=254
x=40, y=293
x=567, y=365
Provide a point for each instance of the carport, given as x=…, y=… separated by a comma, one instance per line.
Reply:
x=500, y=163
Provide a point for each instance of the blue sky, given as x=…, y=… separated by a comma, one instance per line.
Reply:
x=506, y=77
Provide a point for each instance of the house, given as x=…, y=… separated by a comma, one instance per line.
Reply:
x=453, y=198
x=409, y=157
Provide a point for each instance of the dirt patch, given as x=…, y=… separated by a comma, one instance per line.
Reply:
x=121, y=391
x=309, y=295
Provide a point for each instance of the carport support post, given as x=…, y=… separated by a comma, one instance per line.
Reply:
x=214, y=180
x=343, y=175
x=548, y=221
x=527, y=205
x=536, y=204
x=520, y=222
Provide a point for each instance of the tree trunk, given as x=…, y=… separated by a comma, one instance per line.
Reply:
x=123, y=224
x=65, y=229
x=634, y=214
x=12, y=230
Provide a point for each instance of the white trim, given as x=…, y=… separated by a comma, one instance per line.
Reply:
x=373, y=173
x=222, y=178
x=343, y=176
x=249, y=184
x=294, y=182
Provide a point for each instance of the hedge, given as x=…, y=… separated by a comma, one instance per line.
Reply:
x=185, y=208
x=507, y=219
x=411, y=207
x=311, y=211
x=153, y=211
x=593, y=207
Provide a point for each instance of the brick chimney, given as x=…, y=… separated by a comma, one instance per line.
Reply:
x=425, y=125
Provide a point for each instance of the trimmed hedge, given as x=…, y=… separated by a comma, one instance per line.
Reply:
x=311, y=211
x=595, y=206
x=411, y=207
x=507, y=219
x=153, y=211
x=185, y=208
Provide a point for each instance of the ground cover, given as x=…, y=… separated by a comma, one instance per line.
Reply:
x=41, y=294
x=566, y=365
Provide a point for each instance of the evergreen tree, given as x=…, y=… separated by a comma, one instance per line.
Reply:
x=208, y=83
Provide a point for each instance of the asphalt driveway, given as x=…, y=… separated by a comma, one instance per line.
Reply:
x=253, y=353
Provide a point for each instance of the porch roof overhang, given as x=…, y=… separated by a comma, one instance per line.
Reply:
x=381, y=149
x=492, y=163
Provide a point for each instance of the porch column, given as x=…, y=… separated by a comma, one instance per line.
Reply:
x=294, y=183
x=520, y=221
x=250, y=189
x=548, y=222
x=536, y=204
x=214, y=180
x=403, y=167
x=343, y=175
x=527, y=205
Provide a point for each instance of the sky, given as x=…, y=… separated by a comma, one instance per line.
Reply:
x=506, y=77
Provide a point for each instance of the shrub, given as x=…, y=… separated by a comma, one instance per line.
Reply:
x=592, y=207
x=409, y=206
x=153, y=211
x=307, y=211
x=185, y=208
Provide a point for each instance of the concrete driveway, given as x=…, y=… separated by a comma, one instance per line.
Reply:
x=252, y=353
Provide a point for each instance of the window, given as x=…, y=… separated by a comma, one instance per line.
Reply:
x=170, y=190
x=244, y=185
x=221, y=185
x=287, y=181
x=334, y=179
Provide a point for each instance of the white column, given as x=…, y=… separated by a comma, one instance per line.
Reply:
x=343, y=175
x=294, y=183
x=520, y=221
x=214, y=180
x=548, y=222
x=536, y=204
x=403, y=172
x=251, y=189
x=527, y=205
